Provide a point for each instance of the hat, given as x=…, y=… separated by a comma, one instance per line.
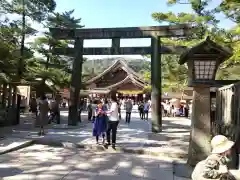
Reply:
x=221, y=144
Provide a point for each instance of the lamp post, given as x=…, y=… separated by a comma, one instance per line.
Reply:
x=203, y=61
x=202, y=76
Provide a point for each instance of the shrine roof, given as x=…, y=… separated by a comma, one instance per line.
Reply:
x=129, y=78
x=203, y=50
x=118, y=63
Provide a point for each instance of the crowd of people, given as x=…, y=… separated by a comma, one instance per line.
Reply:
x=106, y=114
x=46, y=111
x=176, y=109
x=143, y=108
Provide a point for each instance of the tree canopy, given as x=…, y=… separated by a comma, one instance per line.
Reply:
x=204, y=18
x=32, y=62
x=26, y=51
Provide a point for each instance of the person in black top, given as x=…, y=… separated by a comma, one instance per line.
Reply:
x=89, y=109
x=140, y=109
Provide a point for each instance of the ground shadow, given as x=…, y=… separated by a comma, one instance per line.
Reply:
x=59, y=163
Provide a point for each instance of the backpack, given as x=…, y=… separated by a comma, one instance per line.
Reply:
x=198, y=171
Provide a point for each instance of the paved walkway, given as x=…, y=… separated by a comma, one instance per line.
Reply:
x=172, y=141
x=44, y=162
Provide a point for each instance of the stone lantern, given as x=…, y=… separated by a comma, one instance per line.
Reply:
x=203, y=61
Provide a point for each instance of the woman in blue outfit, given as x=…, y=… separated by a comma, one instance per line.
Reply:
x=100, y=123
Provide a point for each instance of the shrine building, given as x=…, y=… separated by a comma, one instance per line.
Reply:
x=118, y=78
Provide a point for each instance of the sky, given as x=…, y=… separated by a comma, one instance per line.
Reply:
x=122, y=13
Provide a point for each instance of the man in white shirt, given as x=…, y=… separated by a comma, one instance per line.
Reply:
x=113, y=121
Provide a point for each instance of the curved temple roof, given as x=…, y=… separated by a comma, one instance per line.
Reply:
x=129, y=78
x=116, y=64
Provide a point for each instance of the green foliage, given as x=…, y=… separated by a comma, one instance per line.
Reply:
x=205, y=22
x=53, y=67
x=37, y=10
x=16, y=55
x=64, y=20
x=34, y=60
x=231, y=9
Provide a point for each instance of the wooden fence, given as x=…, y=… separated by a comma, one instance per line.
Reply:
x=227, y=120
x=227, y=115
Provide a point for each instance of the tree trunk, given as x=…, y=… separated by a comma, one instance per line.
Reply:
x=43, y=84
x=20, y=65
x=4, y=94
x=9, y=95
x=14, y=98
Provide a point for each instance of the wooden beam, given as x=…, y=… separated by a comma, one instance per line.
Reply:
x=205, y=55
x=213, y=83
x=127, y=32
x=121, y=51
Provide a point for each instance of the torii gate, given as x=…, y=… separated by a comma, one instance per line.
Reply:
x=155, y=50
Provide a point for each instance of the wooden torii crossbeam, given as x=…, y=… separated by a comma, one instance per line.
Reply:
x=121, y=50
x=129, y=32
x=181, y=30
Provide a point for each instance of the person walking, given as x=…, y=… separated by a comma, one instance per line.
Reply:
x=100, y=123
x=94, y=110
x=55, y=112
x=113, y=121
x=186, y=110
x=168, y=109
x=141, y=109
x=173, y=111
x=43, y=113
x=33, y=106
x=146, y=110
x=119, y=102
x=89, y=109
x=129, y=107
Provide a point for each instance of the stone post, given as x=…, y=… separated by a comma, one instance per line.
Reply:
x=76, y=81
x=4, y=94
x=115, y=46
x=156, y=85
x=200, y=137
x=9, y=96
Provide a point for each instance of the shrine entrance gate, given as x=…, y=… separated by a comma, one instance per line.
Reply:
x=115, y=34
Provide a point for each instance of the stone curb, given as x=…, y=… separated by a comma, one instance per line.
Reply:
x=69, y=127
x=22, y=145
x=70, y=145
